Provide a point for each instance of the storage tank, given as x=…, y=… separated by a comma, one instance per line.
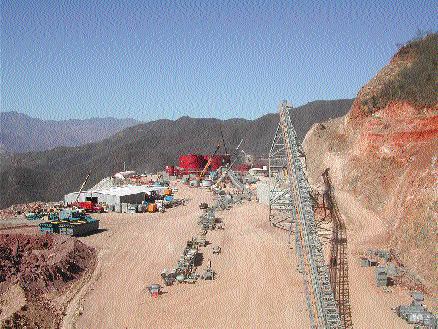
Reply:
x=242, y=167
x=170, y=170
x=191, y=162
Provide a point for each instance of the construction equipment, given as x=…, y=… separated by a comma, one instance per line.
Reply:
x=210, y=159
x=154, y=290
x=199, y=240
x=322, y=307
x=191, y=278
x=89, y=206
x=381, y=276
x=185, y=265
x=416, y=313
x=33, y=215
x=69, y=222
x=217, y=250
x=83, y=184
x=208, y=273
x=208, y=220
x=338, y=256
x=168, y=278
x=79, y=227
x=203, y=205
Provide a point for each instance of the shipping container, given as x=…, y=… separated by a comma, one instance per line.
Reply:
x=79, y=227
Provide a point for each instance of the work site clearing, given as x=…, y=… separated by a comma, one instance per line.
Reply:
x=256, y=283
x=253, y=248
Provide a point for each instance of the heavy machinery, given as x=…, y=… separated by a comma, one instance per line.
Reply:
x=88, y=205
x=210, y=159
x=82, y=186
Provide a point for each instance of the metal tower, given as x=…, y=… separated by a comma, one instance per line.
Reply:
x=285, y=154
x=280, y=199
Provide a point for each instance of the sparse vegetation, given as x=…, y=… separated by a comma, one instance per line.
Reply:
x=417, y=83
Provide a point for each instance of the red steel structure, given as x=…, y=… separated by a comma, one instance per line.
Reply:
x=195, y=163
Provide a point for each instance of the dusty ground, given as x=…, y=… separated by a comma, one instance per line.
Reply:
x=257, y=285
x=38, y=273
x=370, y=305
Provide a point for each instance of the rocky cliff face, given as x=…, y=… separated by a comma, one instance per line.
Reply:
x=384, y=153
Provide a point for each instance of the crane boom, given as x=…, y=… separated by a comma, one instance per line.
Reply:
x=210, y=159
x=83, y=184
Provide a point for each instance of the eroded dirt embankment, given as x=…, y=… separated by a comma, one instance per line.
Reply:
x=36, y=273
x=383, y=154
x=389, y=165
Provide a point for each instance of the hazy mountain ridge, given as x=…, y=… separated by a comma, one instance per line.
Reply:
x=21, y=133
x=48, y=175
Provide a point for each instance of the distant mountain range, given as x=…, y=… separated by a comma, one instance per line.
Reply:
x=21, y=133
x=146, y=147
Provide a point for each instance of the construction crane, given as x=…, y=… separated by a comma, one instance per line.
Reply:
x=82, y=186
x=210, y=159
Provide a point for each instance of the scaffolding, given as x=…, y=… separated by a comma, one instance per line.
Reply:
x=338, y=256
x=291, y=201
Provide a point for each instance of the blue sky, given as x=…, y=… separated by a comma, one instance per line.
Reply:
x=165, y=59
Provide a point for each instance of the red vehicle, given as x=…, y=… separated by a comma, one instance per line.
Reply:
x=90, y=206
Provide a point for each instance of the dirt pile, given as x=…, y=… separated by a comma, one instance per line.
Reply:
x=384, y=154
x=39, y=267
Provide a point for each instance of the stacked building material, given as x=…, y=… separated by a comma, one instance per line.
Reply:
x=37, y=207
x=185, y=268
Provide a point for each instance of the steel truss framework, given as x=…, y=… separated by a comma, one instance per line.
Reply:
x=280, y=200
x=291, y=201
x=338, y=257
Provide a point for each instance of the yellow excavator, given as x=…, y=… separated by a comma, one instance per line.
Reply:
x=210, y=159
